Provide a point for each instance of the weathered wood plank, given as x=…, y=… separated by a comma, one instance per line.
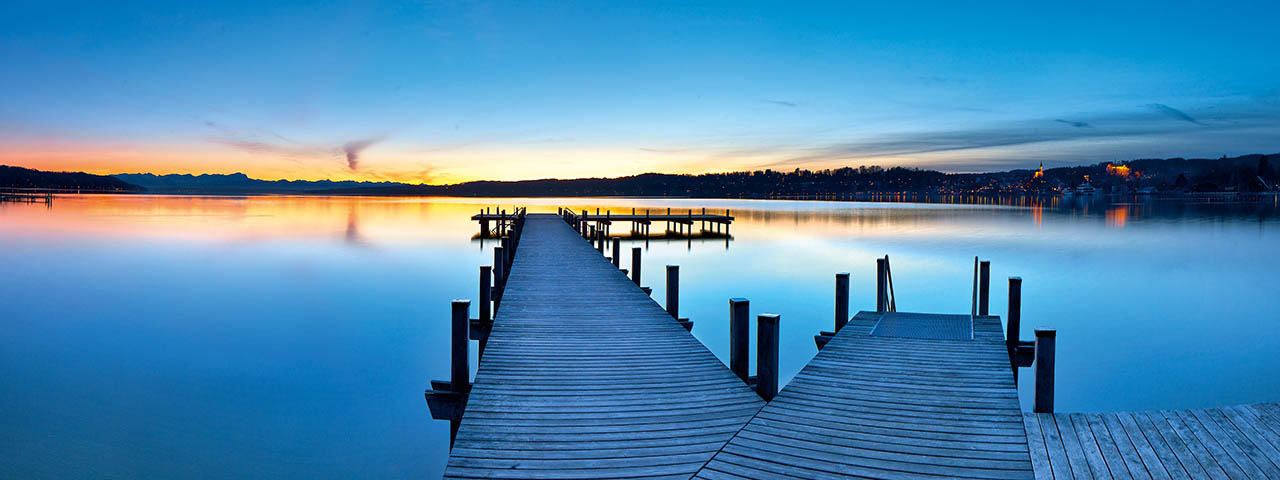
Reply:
x=585, y=376
x=1228, y=443
x=879, y=406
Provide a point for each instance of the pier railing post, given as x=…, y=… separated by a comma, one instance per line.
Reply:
x=617, y=245
x=740, y=337
x=635, y=265
x=460, y=370
x=1045, y=340
x=984, y=288
x=882, y=294
x=673, y=291
x=767, y=355
x=842, y=300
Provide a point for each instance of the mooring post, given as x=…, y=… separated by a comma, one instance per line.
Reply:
x=842, y=300
x=882, y=295
x=635, y=265
x=460, y=370
x=740, y=337
x=673, y=291
x=1013, y=320
x=767, y=355
x=600, y=240
x=486, y=290
x=1045, y=339
x=984, y=288
x=973, y=306
x=617, y=245
x=506, y=258
x=497, y=276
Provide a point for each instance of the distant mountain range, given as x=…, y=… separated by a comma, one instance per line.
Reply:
x=1247, y=173
x=18, y=177
x=238, y=183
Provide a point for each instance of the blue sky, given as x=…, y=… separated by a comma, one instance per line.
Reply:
x=448, y=91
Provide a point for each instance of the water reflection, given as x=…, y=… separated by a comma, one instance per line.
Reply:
x=293, y=336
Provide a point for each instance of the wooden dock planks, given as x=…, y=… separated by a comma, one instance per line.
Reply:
x=1229, y=443
x=585, y=376
x=889, y=407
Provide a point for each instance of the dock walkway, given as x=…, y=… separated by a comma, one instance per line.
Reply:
x=585, y=376
x=1229, y=443
x=892, y=395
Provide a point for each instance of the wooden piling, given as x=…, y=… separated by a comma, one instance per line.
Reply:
x=498, y=277
x=1013, y=319
x=767, y=355
x=740, y=337
x=486, y=290
x=842, y=300
x=984, y=288
x=617, y=245
x=508, y=254
x=881, y=288
x=459, y=368
x=1045, y=340
x=673, y=291
x=973, y=306
x=635, y=265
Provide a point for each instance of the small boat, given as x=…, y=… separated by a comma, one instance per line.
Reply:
x=1085, y=189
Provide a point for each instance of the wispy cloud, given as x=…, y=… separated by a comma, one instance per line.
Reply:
x=267, y=142
x=1074, y=123
x=987, y=142
x=1173, y=112
x=782, y=103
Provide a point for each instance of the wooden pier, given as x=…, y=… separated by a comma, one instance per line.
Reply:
x=891, y=395
x=585, y=376
x=26, y=197
x=1230, y=443
x=582, y=375
x=677, y=223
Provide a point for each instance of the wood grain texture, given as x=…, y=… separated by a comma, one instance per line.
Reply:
x=1241, y=442
x=910, y=405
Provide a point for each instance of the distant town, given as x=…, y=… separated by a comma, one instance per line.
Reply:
x=1242, y=174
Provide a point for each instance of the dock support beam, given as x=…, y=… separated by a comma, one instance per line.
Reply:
x=739, y=337
x=635, y=265
x=617, y=245
x=984, y=288
x=1045, y=340
x=882, y=295
x=767, y=355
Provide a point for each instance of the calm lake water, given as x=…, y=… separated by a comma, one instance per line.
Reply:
x=264, y=337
